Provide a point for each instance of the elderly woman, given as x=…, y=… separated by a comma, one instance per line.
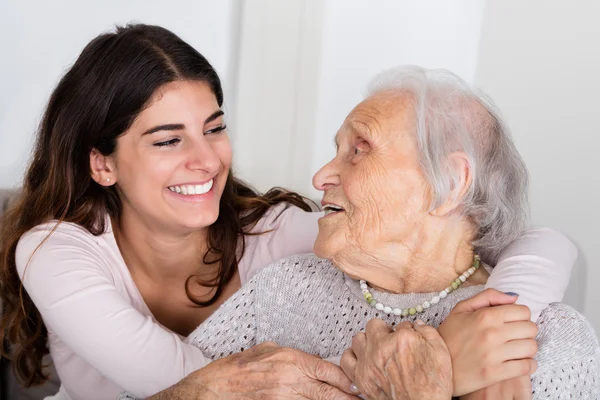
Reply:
x=425, y=181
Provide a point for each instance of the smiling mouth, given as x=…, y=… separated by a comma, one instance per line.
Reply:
x=332, y=209
x=191, y=190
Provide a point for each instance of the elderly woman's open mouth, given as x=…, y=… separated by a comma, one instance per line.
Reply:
x=330, y=208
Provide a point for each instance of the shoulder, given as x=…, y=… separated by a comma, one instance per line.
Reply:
x=52, y=242
x=560, y=324
x=568, y=353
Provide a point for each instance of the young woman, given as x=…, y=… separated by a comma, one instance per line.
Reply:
x=131, y=229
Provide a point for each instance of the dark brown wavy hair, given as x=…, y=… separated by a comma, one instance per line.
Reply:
x=94, y=103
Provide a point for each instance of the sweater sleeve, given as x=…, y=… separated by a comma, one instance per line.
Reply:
x=232, y=328
x=537, y=267
x=568, y=356
x=67, y=280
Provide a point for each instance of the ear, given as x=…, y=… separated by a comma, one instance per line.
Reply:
x=102, y=168
x=460, y=169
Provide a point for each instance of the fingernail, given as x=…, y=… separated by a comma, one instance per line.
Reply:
x=511, y=293
x=419, y=322
x=354, y=388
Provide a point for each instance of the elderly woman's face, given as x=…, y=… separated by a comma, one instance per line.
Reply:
x=376, y=180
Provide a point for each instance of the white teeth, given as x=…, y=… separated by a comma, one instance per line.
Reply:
x=192, y=189
x=331, y=209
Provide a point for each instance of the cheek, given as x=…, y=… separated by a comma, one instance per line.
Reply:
x=222, y=148
x=386, y=204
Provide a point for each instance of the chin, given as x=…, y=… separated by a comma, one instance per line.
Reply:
x=322, y=249
x=201, y=221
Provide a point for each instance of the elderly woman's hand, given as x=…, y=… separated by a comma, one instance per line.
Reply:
x=490, y=340
x=266, y=371
x=410, y=363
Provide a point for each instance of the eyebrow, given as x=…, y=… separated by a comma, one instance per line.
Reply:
x=178, y=127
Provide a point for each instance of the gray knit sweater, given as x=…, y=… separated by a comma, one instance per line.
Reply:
x=306, y=303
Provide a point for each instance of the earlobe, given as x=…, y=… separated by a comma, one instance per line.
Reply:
x=102, y=169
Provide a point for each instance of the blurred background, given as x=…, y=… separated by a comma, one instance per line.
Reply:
x=293, y=69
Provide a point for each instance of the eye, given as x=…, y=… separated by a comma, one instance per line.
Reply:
x=171, y=142
x=216, y=130
x=360, y=148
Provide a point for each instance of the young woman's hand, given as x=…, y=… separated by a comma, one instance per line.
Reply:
x=490, y=340
x=511, y=389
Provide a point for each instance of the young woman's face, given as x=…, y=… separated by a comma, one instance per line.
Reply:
x=172, y=163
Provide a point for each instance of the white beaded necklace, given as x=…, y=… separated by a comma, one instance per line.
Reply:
x=425, y=305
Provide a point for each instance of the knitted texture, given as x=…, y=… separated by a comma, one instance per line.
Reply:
x=306, y=303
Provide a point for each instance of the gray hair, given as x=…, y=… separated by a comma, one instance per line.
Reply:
x=450, y=117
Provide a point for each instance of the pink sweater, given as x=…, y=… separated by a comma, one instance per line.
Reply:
x=104, y=340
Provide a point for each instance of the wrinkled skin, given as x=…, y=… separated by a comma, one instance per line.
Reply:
x=263, y=372
x=411, y=363
x=387, y=233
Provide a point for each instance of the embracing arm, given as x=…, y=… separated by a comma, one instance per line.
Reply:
x=80, y=303
x=537, y=267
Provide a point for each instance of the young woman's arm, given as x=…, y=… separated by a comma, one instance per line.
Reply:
x=76, y=293
x=537, y=267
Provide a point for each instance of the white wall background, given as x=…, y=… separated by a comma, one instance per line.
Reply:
x=41, y=39
x=293, y=69
x=539, y=61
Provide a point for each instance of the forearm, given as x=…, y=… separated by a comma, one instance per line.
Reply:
x=186, y=390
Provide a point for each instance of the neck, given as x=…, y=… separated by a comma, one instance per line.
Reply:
x=433, y=258
x=160, y=255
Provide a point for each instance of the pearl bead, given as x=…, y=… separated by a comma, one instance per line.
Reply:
x=425, y=305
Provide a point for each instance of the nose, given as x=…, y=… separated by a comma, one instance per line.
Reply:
x=328, y=176
x=202, y=157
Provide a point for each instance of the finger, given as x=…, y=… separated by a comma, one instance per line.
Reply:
x=487, y=298
x=404, y=325
x=324, y=371
x=428, y=332
x=519, y=330
x=323, y=391
x=377, y=328
x=431, y=335
x=348, y=364
x=518, y=350
x=514, y=369
x=359, y=345
x=524, y=389
x=510, y=313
